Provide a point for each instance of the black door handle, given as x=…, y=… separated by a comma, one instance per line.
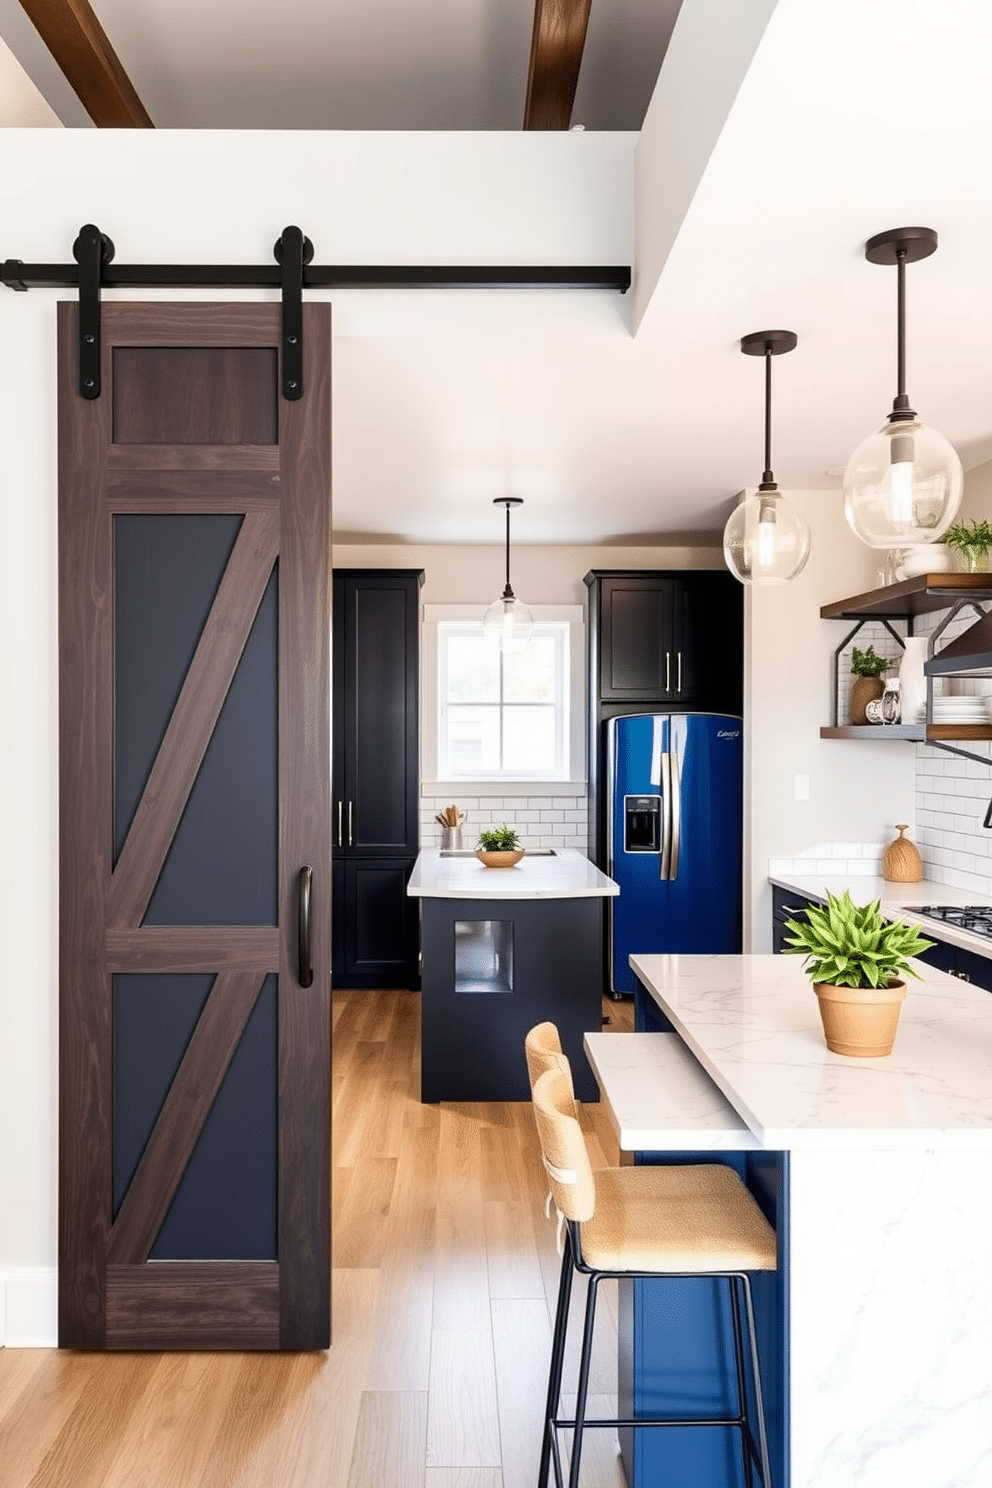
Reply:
x=306, y=968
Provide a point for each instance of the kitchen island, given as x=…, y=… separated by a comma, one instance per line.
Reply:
x=503, y=949
x=885, y=1174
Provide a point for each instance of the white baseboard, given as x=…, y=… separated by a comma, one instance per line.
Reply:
x=29, y=1307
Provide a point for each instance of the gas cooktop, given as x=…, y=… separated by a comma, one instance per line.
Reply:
x=974, y=917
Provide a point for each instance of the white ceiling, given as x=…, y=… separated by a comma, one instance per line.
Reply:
x=853, y=117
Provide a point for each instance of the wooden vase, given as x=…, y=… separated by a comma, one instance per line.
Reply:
x=863, y=689
x=901, y=862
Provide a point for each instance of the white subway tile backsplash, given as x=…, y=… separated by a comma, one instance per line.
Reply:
x=551, y=820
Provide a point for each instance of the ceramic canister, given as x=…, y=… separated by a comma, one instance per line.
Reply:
x=913, y=684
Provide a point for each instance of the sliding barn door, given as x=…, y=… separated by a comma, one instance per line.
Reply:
x=194, y=629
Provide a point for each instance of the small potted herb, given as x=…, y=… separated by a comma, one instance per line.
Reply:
x=855, y=960
x=971, y=542
x=498, y=847
x=867, y=667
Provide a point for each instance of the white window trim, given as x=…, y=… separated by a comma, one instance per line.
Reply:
x=574, y=781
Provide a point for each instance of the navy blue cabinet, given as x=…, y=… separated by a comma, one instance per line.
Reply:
x=376, y=784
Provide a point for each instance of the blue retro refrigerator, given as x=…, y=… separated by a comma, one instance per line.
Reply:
x=674, y=836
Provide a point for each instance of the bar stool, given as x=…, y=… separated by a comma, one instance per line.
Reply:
x=646, y=1222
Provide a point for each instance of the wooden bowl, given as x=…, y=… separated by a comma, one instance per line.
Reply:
x=499, y=859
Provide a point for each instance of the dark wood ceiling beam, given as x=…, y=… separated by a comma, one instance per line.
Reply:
x=555, y=58
x=80, y=46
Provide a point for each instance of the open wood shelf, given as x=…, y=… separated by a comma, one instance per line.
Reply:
x=914, y=732
x=917, y=596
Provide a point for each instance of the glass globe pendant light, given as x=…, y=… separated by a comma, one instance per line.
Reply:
x=766, y=541
x=508, y=622
x=903, y=484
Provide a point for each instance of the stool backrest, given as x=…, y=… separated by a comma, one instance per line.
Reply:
x=543, y=1050
x=566, y=1157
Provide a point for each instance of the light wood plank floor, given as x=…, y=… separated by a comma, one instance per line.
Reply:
x=445, y=1276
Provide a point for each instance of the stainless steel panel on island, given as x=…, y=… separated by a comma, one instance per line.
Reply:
x=503, y=949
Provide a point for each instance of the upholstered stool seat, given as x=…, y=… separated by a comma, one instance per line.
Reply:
x=683, y=1219
x=695, y=1220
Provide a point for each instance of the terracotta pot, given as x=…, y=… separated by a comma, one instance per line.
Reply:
x=860, y=1022
x=499, y=859
x=863, y=689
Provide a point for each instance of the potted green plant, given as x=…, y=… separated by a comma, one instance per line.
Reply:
x=971, y=541
x=867, y=667
x=855, y=960
x=498, y=847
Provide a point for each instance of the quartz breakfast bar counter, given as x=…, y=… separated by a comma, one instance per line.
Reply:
x=885, y=1180
x=503, y=949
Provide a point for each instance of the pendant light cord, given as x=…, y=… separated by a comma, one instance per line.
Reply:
x=508, y=592
x=900, y=404
x=767, y=477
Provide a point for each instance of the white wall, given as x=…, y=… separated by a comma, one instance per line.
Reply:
x=199, y=198
x=857, y=791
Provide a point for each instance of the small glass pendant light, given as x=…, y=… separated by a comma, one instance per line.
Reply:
x=766, y=541
x=903, y=484
x=508, y=622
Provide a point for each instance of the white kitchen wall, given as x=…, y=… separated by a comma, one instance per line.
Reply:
x=811, y=799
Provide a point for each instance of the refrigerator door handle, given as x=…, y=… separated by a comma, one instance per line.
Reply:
x=674, y=814
x=665, y=857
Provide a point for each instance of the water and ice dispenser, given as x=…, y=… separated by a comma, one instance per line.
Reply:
x=642, y=824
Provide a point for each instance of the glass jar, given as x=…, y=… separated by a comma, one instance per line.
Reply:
x=891, y=701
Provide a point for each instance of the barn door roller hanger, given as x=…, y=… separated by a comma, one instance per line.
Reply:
x=292, y=272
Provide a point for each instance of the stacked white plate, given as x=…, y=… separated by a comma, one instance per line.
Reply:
x=960, y=710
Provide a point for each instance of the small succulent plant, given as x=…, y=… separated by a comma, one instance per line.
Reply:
x=498, y=839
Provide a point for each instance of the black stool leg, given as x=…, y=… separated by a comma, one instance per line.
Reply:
x=747, y=1436
x=583, y=1384
x=759, y=1404
x=557, y=1358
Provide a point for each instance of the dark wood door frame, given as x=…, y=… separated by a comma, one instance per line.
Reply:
x=109, y=1294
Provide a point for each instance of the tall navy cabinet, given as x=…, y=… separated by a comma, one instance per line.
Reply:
x=375, y=768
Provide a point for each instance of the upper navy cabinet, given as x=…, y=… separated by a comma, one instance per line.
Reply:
x=667, y=637
x=376, y=784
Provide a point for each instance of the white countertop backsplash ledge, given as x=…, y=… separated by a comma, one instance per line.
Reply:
x=956, y=850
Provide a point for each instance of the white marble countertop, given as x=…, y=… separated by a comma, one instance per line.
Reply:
x=660, y=1099
x=753, y=1024
x=896, y=897
x=568, y=874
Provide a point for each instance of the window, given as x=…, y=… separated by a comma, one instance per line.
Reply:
x=505, y=718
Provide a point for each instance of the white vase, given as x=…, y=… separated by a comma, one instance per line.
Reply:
x=912, y=682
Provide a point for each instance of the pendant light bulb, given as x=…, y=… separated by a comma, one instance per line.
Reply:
x=903, y=484
x=766, y=540
x=508, y=623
